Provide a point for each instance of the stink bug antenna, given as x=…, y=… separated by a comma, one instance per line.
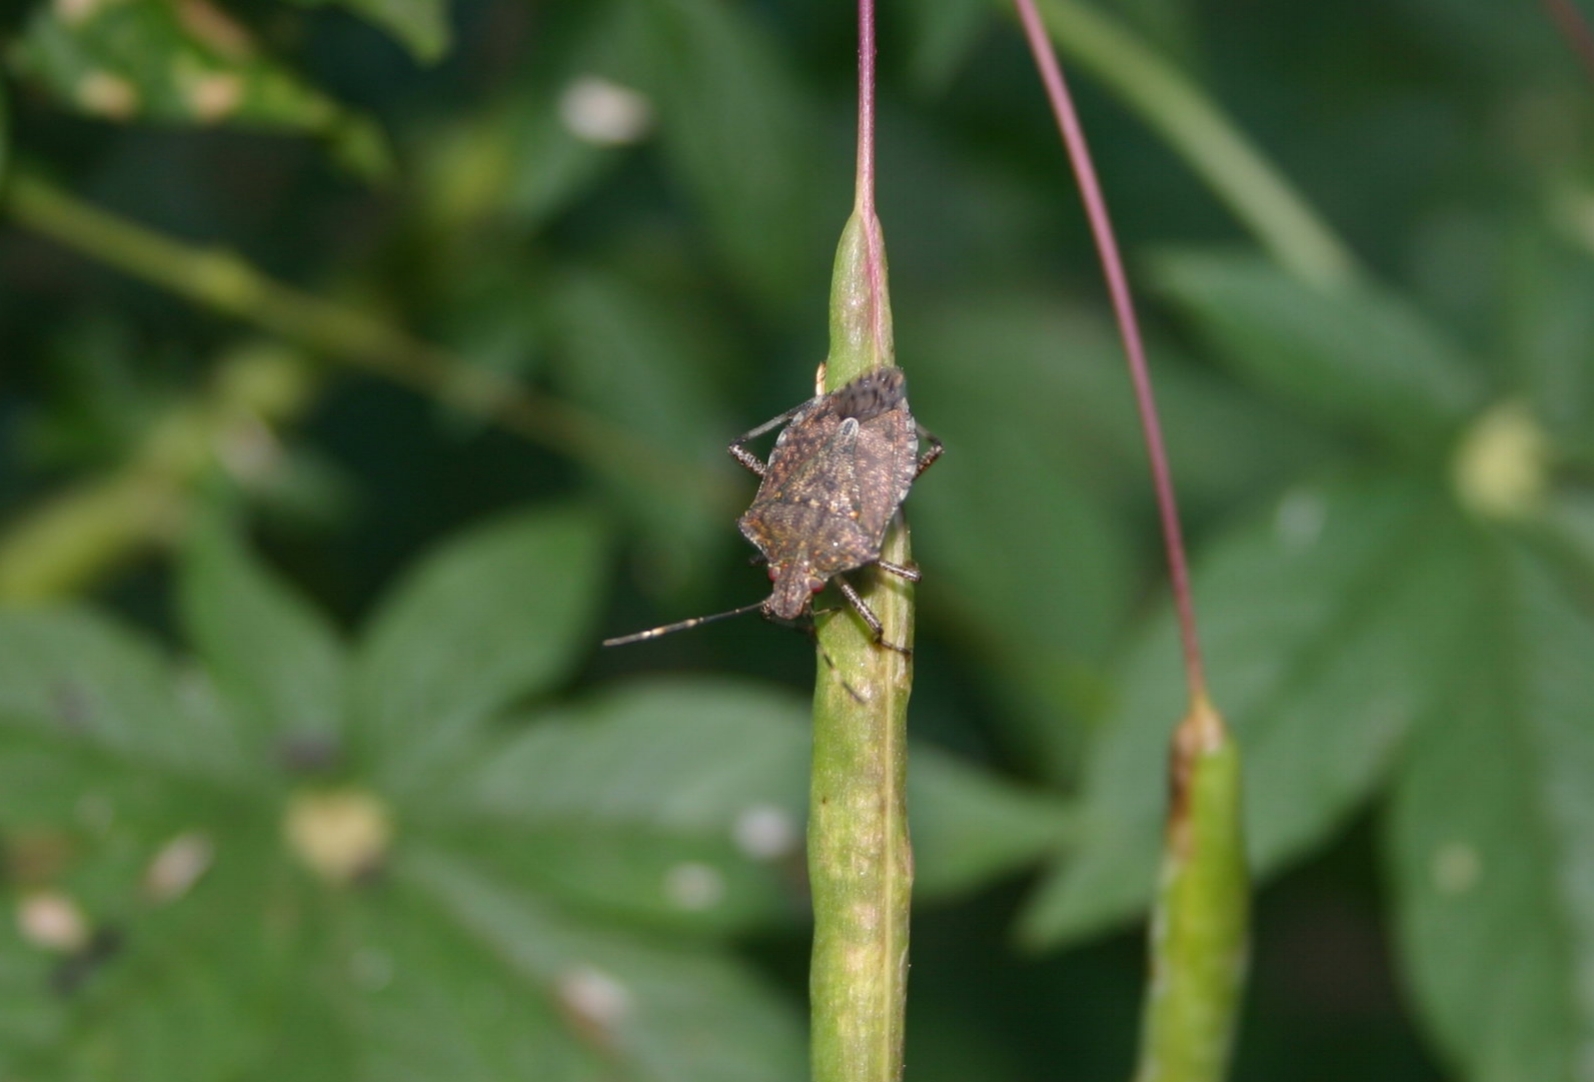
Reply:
x=684, y=625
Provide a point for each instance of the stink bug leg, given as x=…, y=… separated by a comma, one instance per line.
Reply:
x=867, y=615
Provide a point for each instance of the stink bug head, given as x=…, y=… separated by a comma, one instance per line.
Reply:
x=795, y=586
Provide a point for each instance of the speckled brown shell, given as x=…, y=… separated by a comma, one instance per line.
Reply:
x=839, y=471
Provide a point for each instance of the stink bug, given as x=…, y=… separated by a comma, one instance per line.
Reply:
x=839, y=470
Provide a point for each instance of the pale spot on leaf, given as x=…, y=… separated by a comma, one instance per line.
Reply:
x=1300, y=518
x=1501, y=466
x=598, y=111
x=178, y=866
x=765, y=832
x=107, y=95
x=340, y=834
x=214, y=96
x=1456, y=868
x=694, y=886
x=52, y=920
x=594, y=997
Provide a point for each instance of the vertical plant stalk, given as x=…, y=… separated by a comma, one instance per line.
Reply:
x=859, y=859
x=1198, y=940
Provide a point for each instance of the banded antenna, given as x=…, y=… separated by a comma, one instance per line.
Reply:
x=684, y=625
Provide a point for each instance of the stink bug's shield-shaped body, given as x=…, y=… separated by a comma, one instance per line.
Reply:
x=839, y=471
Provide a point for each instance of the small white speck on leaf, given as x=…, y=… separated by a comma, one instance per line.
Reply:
x=594, y=997
x=1456, y=868
x=1300, y=518
x=108, y=95
x=765, y=832
x=604, y=113
x=53, y=920
x=180, y=864
x=695, y=886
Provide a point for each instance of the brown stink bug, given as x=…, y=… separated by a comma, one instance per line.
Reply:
x=839, y=470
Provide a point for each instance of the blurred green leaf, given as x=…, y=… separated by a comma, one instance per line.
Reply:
x=739, y=133
x=665, y=1015
x=643, y=877
x=680, y=755
x=721, y=761
x=422, y=25
x=1329, y=627
x=428, y=1001
x=630, y=359
x=496, y=615
x=75, y=677
x=1552, y=339
x=941, y=36
x=186, y=63
x=1007, y=520
x=30, y=1019
x=969, y=828
x=274, y=659
x=1018, y=519
x=201, y=965
x=1355, y=355
x=1489, y=836
x=546, y=141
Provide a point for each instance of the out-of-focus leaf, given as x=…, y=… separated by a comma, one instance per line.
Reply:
x=189, y=991
x=186, y=63
x=738, y=132
x=680, y=755
x=1034, y=406
x=31, y=1018
x=620, y=353
x=1328, y=627
x=274, y=659
x=1490, y=838
x=725, y=761
x=428, y=1002
x=422, y=25
x=700, y=883
x=666, y=1015
x=1553, y=339
x=969, y=829
x=941, y=36
x=498, y=614
x=1355, y=355
x=72, y=676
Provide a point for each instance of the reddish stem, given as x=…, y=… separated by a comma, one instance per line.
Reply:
x=1123, y=306
x=1574, y=27
x=863, y=198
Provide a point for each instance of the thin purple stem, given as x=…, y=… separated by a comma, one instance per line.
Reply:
x=863, y=198
x=1123, y=306
x=1574, y=27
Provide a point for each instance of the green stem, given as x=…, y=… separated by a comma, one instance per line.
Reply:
x=1235, y=171
x=860, y=864
x=224, y=281
x=1198, y=928
x=859, y=859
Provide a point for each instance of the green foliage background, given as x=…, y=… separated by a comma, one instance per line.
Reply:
x=363, y=363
